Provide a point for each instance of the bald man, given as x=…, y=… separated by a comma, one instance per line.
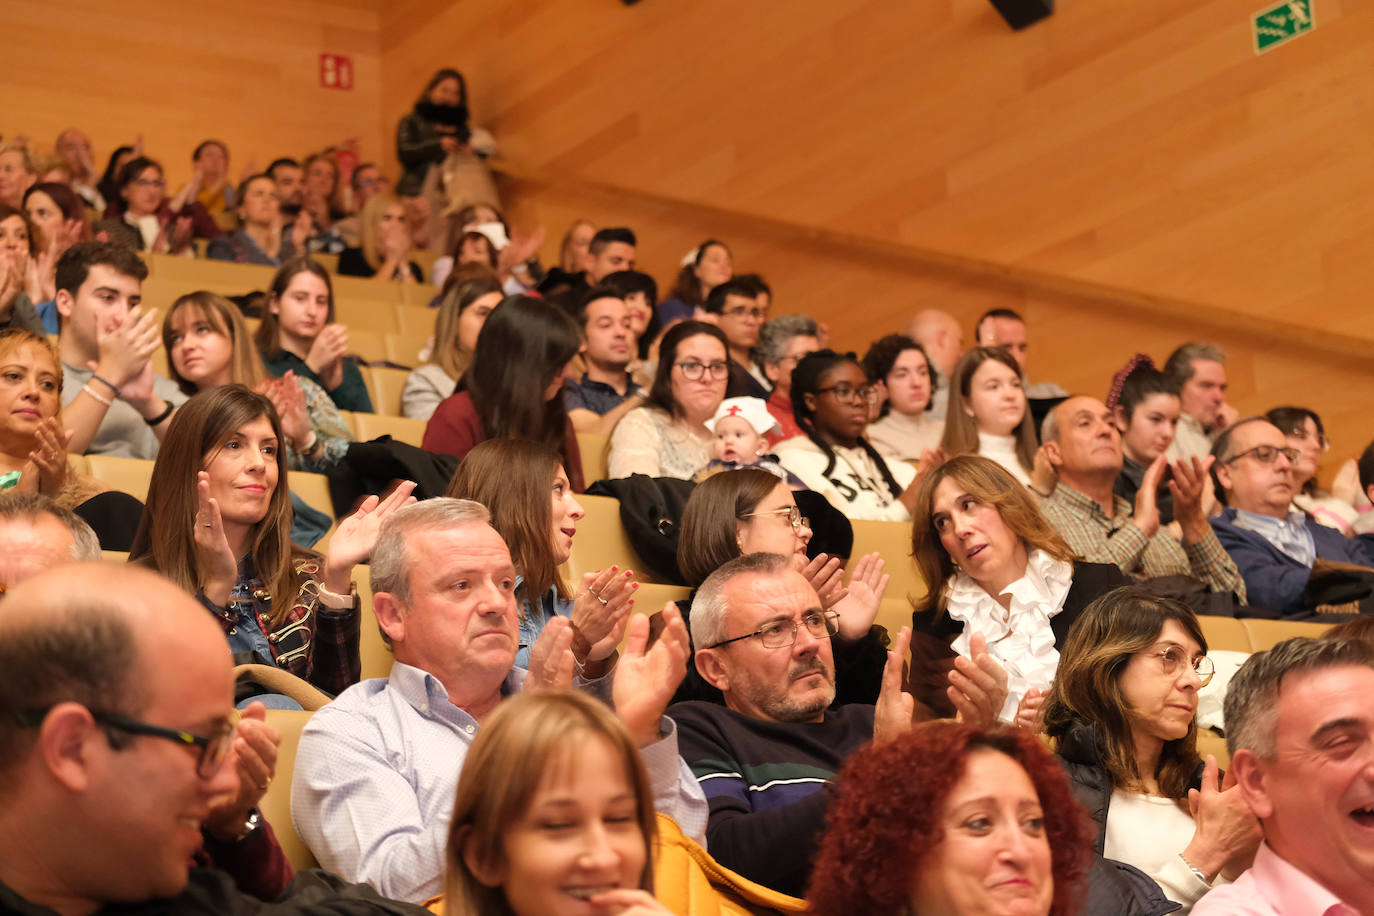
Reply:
x=117, y=742
x=943, y=340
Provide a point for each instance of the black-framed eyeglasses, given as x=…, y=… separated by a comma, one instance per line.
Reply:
x=1267, y=454
x=693, y=370
x=846, y=395
x=792, y=513
x=782, y=633
x=1173, y=658
x=214, y=747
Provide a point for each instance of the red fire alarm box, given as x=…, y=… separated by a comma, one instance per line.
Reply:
x=336, y=71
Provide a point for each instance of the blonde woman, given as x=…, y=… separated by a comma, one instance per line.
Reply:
x=385, y=246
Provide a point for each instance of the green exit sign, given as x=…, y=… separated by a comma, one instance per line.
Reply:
x=1281, y=23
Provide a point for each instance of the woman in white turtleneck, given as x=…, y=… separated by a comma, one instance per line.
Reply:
x=988, y=414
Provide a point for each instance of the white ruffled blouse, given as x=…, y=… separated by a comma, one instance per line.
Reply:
x=1019, y=638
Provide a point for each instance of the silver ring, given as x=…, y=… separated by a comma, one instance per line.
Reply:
x=598, y=598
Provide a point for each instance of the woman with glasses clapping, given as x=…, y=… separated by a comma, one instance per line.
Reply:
x=667, y=437
x=1122, y=712
x=830, y=397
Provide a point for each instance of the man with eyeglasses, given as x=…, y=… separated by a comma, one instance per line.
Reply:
x=740, y=317
x=1300, y=728
x=117, y=744
x=1291, y=564
x=765, y=757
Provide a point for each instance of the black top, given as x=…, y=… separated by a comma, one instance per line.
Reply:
x=353, y=263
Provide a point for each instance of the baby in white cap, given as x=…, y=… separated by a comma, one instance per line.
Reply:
x=741, y=427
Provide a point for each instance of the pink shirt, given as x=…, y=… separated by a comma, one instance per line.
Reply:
x=1272, y=887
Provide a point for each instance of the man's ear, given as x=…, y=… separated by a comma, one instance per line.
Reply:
x=67, y=740
x=1248, y=770
x=390, y=615
x=486, y=873
x=710, y=668
x=1052, y=453
x=1223, y=472
x=65, y=303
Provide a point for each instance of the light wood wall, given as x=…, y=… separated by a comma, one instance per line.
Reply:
x=246, y=72
x=1128, y=173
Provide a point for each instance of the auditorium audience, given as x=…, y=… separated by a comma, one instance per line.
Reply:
x=830, y=397
x=667, y=437
x=552, y=757
x=988, y=414
x=980, y=822
x=1298, y=721
x=703, y=269
x=1006, y=328
x=1146, y=406
x=1198, y=370
x=261, y=237
x=208, y=344
x=58, y=219
x=298, y=334
x=18, y=171
x=610, y=250
x=1304, y=431
x=997, y=570
x=525, y=487
x=940, y=335
x=905, y=380
x=164, y=225
x=385, y=246
x=1083, y=445
x=607, y=390
x=74, y=150
x=218, y=524
x=739, y=316
x=1122, y=712
x=514, y=387
x=1282, y=554
x=468, y=298
x=640, y=293
x=286, y=172
x=17, y=273
x=113, y=401
x=210, y=167
x=378, y=768
x=436, y=127
x=783, y=341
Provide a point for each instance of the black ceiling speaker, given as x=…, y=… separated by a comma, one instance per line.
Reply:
x=1021, y=13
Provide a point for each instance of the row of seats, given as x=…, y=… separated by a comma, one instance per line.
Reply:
x=236, y=279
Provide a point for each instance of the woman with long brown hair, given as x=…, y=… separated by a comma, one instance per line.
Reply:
x=995, y=569
x=218, y=522
x=1122, y=710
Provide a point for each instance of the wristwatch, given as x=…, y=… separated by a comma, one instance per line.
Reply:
x=253, y=823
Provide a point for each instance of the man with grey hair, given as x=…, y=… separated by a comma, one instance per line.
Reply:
x=378, y=768
x=1199, y=372
x=764, y=757
x=783, y=341
x=942, y=338
x=1300, y=729
x=1285, y=558
x=37, y=534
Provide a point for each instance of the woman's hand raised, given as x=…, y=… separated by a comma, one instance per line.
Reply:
x=50, y=457
x=216, y=565
x=601, y=608
x=357, y=535
x=327, y=351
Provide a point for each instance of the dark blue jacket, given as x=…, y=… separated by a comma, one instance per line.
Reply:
x=1274, y=580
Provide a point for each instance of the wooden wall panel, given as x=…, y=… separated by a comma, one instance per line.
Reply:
x=1139, y=144
x=246, y=72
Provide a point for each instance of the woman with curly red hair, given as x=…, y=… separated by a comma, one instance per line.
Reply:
x=979, y=822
